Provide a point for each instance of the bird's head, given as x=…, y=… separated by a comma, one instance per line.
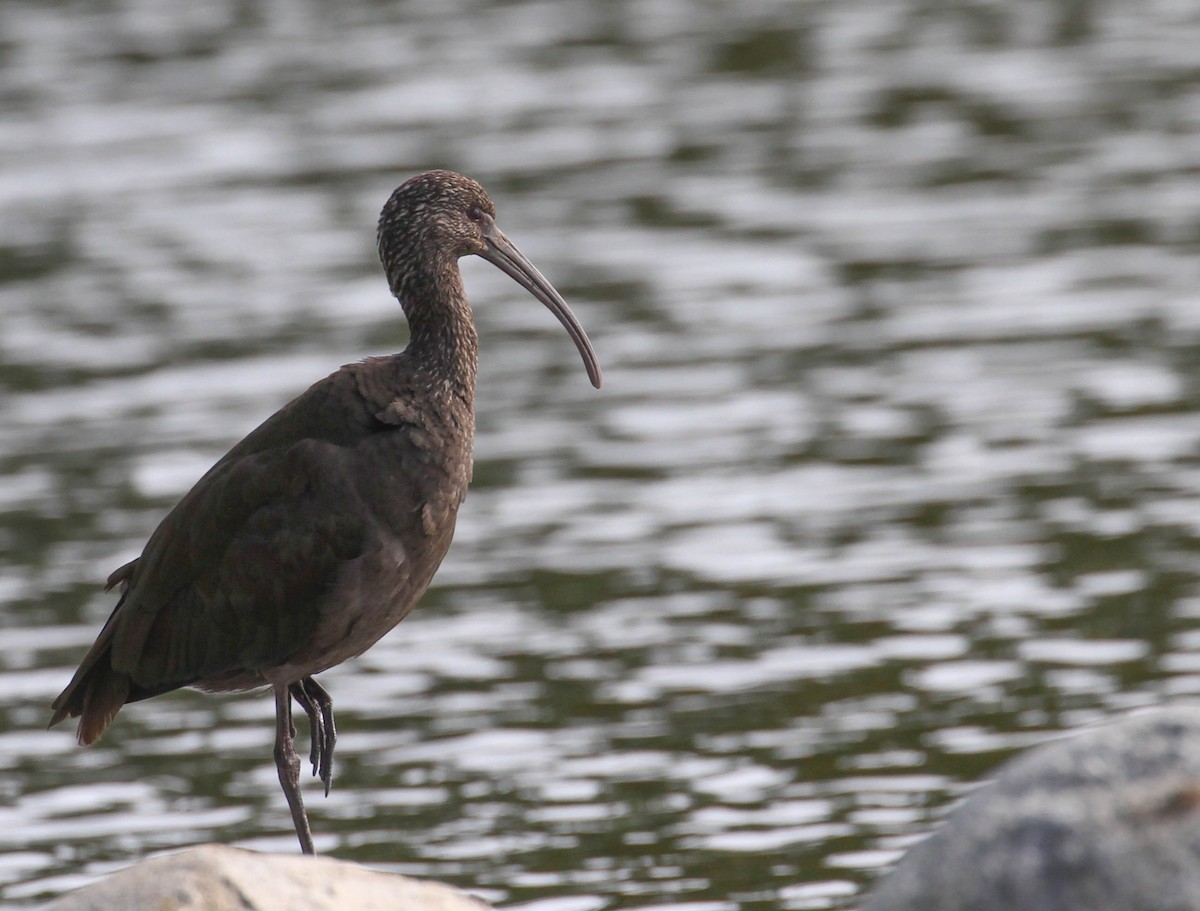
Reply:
x=436, y=218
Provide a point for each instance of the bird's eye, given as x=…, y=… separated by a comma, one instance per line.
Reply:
x=475, y=213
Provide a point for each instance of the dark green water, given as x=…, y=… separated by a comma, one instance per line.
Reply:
x=896, y=469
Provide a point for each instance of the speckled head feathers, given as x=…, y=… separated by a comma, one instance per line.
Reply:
x=427, y=223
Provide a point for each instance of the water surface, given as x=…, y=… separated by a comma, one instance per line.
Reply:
x=894, y=472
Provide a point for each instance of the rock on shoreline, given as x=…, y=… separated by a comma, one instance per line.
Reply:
x=1103, y=820
x=217, y=878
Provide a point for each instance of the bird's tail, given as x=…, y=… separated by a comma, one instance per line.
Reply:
x=97, y=691
x=94, y=696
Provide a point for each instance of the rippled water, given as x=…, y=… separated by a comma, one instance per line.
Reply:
x=895, y=470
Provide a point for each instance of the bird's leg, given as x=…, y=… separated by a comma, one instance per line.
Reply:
x=318, y=705
x=288, y=764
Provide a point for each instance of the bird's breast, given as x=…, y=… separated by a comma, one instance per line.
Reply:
x=412, y=492
x=417, y=465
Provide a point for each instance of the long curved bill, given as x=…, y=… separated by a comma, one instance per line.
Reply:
x=503, y=254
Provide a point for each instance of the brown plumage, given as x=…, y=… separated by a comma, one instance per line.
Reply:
x=318, y=532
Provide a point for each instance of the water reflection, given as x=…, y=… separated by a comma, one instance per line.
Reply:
x=894, y=471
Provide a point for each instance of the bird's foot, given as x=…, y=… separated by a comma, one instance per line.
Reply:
x=318, y=705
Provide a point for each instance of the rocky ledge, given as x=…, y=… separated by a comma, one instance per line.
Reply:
x=216, y=878
x=1104, y=820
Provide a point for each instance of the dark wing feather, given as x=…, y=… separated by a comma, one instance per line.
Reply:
x=236, y=574
x=232, y=579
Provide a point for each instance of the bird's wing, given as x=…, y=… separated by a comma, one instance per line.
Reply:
x=235, y=576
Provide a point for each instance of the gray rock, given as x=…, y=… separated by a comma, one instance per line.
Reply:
x=1104, y=820
x=216, y=878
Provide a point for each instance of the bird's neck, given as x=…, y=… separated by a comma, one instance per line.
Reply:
x=442, y=337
